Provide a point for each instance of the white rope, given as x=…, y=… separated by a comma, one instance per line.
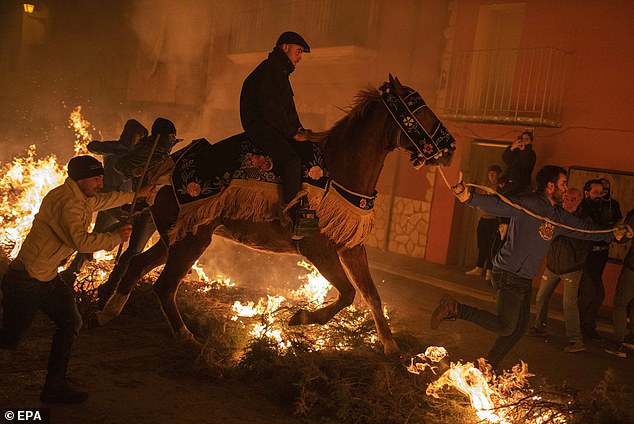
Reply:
x=516, y=206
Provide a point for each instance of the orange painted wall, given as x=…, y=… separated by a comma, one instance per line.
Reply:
x=597, y=124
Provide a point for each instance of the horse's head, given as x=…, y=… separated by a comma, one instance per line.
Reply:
x=421, y=132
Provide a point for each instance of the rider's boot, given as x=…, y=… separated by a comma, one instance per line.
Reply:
x=304, y=221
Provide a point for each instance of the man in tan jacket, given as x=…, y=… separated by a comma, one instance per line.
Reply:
x=31, y=282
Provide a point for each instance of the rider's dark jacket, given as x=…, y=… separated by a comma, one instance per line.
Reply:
x=266, y=99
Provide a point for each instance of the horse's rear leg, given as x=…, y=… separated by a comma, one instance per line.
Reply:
x=355, y=262
x=324, y=256
x=182, y=255
x=139, y=266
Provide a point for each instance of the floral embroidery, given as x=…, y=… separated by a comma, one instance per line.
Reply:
x=315, y=172
x=428, y=148
x=408, y=121
x=363, y=203
x=193, y=189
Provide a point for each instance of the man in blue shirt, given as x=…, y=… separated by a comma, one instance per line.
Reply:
x=520, y=257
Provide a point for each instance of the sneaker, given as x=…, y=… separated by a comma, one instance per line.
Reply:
x=629, y=342
x=574, y=347
x=537, y=331
x=447, y=309
x=477, y=271
x=616, y=349
x=60, y=392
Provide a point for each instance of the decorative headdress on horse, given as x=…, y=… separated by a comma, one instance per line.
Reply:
x=403, y=103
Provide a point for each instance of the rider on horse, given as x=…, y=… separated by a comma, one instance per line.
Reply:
x=269, y=117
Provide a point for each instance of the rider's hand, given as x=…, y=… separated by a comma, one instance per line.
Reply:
x=301, y=136
x=124, y=232
x=461, y=192
x=621, y=231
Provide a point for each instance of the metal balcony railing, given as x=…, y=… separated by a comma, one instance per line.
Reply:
x=523, y=86
x=323, y=23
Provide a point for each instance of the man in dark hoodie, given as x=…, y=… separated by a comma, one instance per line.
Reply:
x=131, y=165
x=132, y=133
x=269, y=116
x=565, y=261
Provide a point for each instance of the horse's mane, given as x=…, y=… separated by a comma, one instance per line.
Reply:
x=364, y=100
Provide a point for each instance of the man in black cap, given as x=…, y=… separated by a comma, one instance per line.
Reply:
x=269, y=117
x=133, y=132
x=31, y=282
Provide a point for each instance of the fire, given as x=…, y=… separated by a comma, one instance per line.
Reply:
x=80, y=127
x=494, y=398
x=266, y=317
x=23, y=184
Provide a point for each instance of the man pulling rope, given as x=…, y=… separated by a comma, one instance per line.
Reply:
x=535, y=219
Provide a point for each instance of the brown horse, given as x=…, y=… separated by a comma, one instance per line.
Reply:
x=354, y=151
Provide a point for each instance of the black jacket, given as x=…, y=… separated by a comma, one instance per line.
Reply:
x=266, y=99
x=520, y=164
x=567, y=254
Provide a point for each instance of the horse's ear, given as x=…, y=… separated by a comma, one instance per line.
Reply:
x=394, y=82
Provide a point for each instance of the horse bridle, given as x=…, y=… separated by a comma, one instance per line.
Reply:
x=429, y=146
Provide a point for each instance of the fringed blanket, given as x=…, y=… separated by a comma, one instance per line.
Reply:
x=234, y=180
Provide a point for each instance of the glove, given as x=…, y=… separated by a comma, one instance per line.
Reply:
x=461, y=192
x=621, y=231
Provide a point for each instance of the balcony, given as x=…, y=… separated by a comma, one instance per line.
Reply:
x=334, y=29
x=514, y=86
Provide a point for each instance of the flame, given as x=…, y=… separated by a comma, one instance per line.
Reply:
x=23, y=184
x=494, y=398
x=80, y=127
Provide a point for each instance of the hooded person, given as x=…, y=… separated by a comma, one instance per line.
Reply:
x=132, y=165
x=133, y=132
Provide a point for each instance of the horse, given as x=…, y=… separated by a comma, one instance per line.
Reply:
x=354, y=150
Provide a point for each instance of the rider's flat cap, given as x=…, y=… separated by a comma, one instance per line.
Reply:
x=290, y=37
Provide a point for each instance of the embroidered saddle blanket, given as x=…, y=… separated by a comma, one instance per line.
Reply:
x=233, y=179
x=202, y=170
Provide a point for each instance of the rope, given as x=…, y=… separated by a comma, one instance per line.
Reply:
x=516, y=206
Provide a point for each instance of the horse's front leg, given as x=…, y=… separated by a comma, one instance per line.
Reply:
x=323, y=254
x=182, y=255
x=355, y=261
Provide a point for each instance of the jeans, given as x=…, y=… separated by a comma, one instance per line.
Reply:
x=622, y=298
x=486, y=233
x=571, y=307
x=513, y=313
x=142, y=230
x=23, y=297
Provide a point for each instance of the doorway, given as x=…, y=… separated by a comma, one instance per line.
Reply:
x=484, y=153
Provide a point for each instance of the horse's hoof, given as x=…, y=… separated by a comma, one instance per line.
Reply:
x=187, y=340
x=101, y=319
x=299, y=318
